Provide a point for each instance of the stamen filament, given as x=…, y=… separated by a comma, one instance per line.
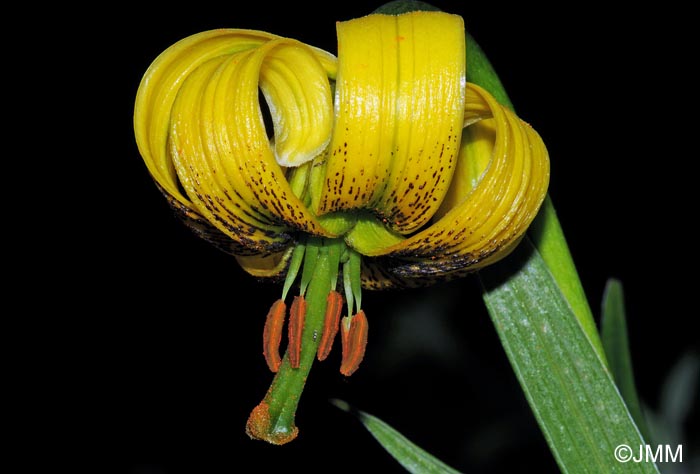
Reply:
x=310, y=260
x=294, y=266
x=354, y=270
x=347, y=286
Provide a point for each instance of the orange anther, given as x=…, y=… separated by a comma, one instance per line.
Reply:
x=272, y=335
x=334, y=306
x=354, y=341
x=297, y=313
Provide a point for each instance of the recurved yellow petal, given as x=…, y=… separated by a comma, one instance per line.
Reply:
x=298, y=94
x=200, y=128
x=399, y=115
x=482, y=220
x=475, y=155
x=160, y=85
x=269, y=266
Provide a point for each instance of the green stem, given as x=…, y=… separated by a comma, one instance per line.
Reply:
x=273, y=419
x=548, y=237
x=545, y=232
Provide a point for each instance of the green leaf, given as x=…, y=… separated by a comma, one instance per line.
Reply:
x=540, y=311
x=402, y=6
x=679, y=393
x=680, y=390
x=617, y=350
x=545, y=231
x=410, y=456
x=548, y=236
x=537, y=303
x=569, y=388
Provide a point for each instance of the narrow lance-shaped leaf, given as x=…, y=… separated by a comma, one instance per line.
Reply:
x=546, y=327
x=561, y=366
x=410, y=456
x=546, y=232
x=617, y=350
x=570, y=390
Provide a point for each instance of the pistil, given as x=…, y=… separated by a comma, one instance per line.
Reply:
x=314, y=321
x=273, y=419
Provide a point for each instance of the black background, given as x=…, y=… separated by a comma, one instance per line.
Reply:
x=172, y=366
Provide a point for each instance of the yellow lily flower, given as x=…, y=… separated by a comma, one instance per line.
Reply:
x=383, y=166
